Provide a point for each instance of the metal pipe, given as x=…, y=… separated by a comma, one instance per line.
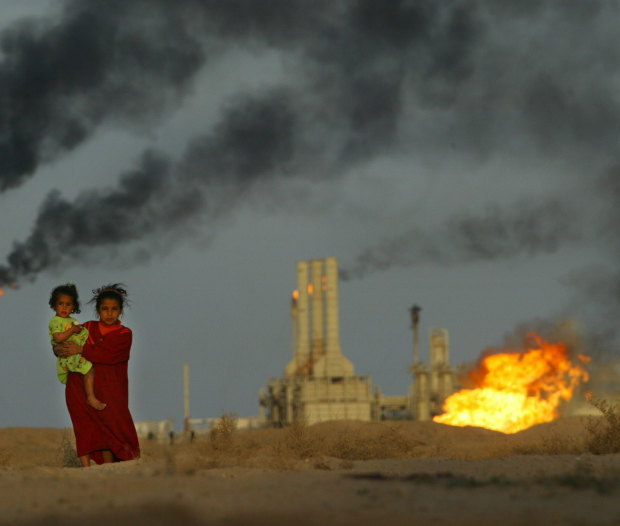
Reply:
x=415, y=318
x=186, y=396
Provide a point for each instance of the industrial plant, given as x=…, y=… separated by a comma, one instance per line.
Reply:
x=320, y=384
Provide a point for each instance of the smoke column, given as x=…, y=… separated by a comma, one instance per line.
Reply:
x=101, y=61
x=160, y=196
x=366, y=79
x=105, y=62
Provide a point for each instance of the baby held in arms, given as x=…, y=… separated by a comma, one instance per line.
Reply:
x=62, y=327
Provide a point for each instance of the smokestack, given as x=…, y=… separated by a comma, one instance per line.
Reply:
x=301, y=351
x=415, y=318
x=333, y=364
x=324, y=358
x=294, y=318
x=333, y=315
x=318, y=325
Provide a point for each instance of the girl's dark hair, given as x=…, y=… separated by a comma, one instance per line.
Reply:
x=114, y=291
x=68, y=290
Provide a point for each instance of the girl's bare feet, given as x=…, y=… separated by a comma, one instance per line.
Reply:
x=93, y=402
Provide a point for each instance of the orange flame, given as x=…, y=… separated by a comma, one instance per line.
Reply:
x=515, y=391
x=1, y=292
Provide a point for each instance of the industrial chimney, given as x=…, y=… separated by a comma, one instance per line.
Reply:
x=316, y=349
x=415, y=319
x=301, y=346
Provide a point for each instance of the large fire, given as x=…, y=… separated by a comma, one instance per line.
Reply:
x=514, y=391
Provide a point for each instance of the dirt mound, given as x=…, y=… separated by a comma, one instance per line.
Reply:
x=344, y=473
x=283, y=448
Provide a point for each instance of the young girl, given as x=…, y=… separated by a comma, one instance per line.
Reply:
x=110, y=435
x=64, y=301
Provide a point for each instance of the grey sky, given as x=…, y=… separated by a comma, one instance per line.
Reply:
x=458, y=155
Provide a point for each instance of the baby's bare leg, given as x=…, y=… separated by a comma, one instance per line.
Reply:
x=89, y=387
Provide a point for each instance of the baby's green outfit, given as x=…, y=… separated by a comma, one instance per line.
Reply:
x=75, y=363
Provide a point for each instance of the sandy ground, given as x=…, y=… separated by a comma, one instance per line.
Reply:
x=443, y=475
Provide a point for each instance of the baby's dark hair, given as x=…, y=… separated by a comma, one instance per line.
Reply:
x=114, y=291
x=68, y=290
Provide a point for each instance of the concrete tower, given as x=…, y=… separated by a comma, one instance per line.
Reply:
x=301, y=347
x=316, y=349
x=316, y=289
x=319, y=382
x=332, y=363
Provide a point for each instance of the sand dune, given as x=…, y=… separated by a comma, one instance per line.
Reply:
x=342, y=472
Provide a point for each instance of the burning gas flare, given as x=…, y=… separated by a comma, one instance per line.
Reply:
x=514, y=391
x=13, y=286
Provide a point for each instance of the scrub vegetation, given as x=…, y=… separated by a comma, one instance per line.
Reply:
x=339, y=444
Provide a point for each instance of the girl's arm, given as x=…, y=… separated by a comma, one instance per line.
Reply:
x=66, y=349
x=112, y=349
x=60, y=337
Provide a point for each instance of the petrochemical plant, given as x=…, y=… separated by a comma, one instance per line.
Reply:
x=320, y=383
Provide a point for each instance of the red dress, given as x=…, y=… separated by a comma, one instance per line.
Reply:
x=113, y=428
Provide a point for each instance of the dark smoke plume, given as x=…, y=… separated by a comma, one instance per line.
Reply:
x=102, y=61
x=525, y=229
x=254, y=140
x=123, y=63
x=366, y=79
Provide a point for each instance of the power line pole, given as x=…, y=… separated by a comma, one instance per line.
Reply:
x=186, y=396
